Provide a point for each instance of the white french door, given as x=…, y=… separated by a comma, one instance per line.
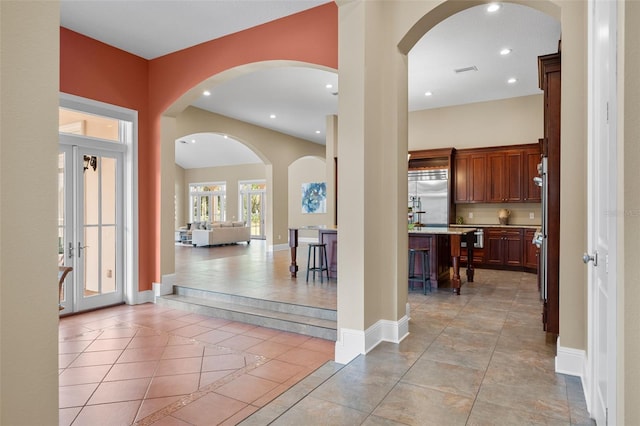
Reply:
x=253, y=206
x=602, y=205
x=90, y=230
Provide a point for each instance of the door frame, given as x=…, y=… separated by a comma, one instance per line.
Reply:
x=602, y=83
x=263, y=204
x=130, y=184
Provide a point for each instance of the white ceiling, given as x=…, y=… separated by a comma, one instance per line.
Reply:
x=298, y=96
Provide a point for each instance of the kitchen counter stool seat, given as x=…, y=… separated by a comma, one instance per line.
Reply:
x=424, y=276
x=320, y=262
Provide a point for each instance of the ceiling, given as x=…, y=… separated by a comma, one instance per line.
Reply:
x=298, y=96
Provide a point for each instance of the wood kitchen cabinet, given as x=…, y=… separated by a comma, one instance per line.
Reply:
x=504, y=176
x=531, y=191
x=503, y=247
x=530, y=251
x=497, y=174
x=470, y=178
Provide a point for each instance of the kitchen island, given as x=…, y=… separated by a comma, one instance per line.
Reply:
x=443, y=244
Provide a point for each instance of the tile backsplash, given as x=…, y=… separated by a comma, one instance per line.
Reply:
x=487, y=214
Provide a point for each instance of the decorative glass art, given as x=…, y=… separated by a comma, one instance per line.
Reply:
x=314, y=197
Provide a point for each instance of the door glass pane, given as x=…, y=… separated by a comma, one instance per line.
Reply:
x=90, y=253
x=91, y=191
x=108, y=259
x=108, y=171
x=61, y=209
x=84, y=124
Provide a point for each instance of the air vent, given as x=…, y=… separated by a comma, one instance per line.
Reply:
x=461, y=70
x=183, y=141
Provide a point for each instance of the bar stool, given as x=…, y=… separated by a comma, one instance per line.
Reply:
x=425, y=275
x=320, y=251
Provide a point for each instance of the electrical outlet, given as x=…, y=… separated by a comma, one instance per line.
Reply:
x=470, y=215
x=532, y=215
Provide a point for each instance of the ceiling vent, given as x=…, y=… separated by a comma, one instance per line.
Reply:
x=466, y=69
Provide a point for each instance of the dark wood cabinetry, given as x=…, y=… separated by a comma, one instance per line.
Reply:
x=531, y=252
x=549, y=74
x=470, y=178
x=531, y=191
x=496, y=174
x=504, y=176
x=503, y=247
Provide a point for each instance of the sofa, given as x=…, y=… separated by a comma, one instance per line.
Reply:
x=218, y=233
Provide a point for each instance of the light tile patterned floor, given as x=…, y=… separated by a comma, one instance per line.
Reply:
x=151, y=365
x=480, y=358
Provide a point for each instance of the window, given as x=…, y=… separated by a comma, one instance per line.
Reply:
x=207, y=201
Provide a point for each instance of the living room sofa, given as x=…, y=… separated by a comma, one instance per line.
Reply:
x=218, y=233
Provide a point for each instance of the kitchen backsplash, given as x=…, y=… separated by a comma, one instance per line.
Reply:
x=487, y=214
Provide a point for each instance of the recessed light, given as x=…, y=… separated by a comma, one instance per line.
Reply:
x=329, y=86
x=272, y=116
x=512, y=80
x=504, y=52
x=493, y=7
x=193, y=141
x=428, y=93
x=317, y=132
x=206, y=93
x=226, y=137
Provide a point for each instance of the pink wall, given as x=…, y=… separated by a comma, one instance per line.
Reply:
x=97, y=71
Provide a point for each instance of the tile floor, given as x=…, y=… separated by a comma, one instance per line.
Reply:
x=475, y=359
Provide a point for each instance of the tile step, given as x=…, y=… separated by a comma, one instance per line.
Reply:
x=277, y=319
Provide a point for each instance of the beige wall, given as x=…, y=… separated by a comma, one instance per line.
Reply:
x=29, y=79
x=487, y=214
x=182, y=214
x=504, y=122
x=306, y=170
x=629, y=175
x=229, y=174
x=277, y=150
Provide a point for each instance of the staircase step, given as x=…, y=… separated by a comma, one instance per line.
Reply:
x=306, y=320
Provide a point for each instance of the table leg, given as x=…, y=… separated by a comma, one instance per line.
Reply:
x=293, y=244
x=471, y=239
x=455, y=262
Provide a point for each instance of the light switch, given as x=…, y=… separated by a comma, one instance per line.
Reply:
x=531, y=215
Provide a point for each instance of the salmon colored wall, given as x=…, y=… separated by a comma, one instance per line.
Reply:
x=97, y=71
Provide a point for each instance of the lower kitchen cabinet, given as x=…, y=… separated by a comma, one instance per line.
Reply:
x=503, y=247
x=531, y=252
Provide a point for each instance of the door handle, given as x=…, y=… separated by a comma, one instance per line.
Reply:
x=586, y=258
x=80, y=248
x=70, y=249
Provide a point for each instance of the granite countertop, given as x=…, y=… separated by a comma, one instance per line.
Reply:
x=493, y=225
x=442, y=230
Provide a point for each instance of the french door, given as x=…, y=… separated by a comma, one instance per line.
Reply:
x=252, y=207
x=90, y=234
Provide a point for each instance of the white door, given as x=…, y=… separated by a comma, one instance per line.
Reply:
x=90, y=227
x=253, y=206
x=602, y=205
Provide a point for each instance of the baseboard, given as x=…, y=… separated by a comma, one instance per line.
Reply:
x=165, y=287
x=352, y=343
x=278, y=247
x=572, y=362
x=146, y=296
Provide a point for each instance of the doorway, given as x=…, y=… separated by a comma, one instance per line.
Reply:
x=96, y=204
x=90, y=227
x=252, y=198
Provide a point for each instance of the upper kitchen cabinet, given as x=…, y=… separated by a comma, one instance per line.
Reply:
x=532, y=193
x=504, y=176
x=470, y=184
x=496, y=174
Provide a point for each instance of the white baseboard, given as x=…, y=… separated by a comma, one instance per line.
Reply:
x=570, y=361
x=278, y=247
x=145, y=296
x=352, y=343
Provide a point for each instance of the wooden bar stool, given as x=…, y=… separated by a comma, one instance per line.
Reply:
x=424, y=276
x=319, y=253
